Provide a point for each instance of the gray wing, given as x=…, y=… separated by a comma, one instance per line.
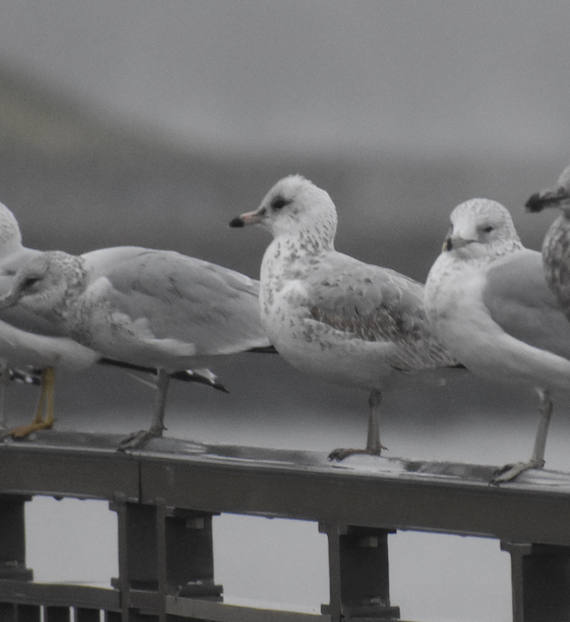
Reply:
x=520, y=301
x=375, y=304
x=183, y=298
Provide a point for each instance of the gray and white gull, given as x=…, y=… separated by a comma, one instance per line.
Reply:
x=333, y=316
x=556, y=245
x=153, y=308
x=25, y=339
x=489, y=303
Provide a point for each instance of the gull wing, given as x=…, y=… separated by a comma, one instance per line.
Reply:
x=181, y=298
x=519, y=300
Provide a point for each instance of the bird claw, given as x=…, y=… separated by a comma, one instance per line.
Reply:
x=338, y=455
x=25, y=430
x=509, y=472
x=139, y=439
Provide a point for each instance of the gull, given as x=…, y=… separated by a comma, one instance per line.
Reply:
x=21, y=348
x=333, y=316
x=154, y=308
x=556, y=245
x=29, y=340
x=489, y=303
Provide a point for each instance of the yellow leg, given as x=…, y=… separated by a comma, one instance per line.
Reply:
x=45, y=401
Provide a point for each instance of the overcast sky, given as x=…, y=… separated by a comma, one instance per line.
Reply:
x=311, y=74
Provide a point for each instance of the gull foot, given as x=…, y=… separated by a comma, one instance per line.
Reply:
x=138, y=440
x=510, y=471
x=337, y=455
x=25, y=430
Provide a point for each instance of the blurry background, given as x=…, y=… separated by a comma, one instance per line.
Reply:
x=154, y=123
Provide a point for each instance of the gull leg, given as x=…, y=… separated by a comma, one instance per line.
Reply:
x=139, y=439
x=510, y=471
x=45, y=401
x=373, y=445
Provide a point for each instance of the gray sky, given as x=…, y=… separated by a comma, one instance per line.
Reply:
x=318, y=75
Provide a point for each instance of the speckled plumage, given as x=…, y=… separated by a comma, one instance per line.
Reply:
x=488, y=302
x=157, y=309
x=329, y=314
x=146, y=307
x=27, y=339
x=556, y=245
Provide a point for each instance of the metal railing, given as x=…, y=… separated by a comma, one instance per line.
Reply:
x=165, y=497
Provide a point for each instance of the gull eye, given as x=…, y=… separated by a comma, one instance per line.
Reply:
x=29, y=282
x=488, y=229
x=279, y=203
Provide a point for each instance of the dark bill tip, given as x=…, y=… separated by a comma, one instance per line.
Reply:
x=237, y=222
x=535, y=203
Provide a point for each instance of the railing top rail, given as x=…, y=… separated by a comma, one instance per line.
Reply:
x=391, y=493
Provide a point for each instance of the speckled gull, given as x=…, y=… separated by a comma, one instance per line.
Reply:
x=333, y=316
x=27, y=339
x=556, y=245
x=154, y=308
x=489, y=303
x=18, y=346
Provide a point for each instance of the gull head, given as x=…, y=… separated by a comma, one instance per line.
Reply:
x=558, y=197
x=45, y=284
x=294, y=206
x=10, y=236
x=481, y=227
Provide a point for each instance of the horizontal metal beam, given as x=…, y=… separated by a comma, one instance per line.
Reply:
x=366, y=491
x=218, y=612
x=59, y=595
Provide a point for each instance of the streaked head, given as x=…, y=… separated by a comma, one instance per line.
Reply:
x=294, y=205
x=482, y=227
x=553, y=197
x=44, y=283
x=10, y=236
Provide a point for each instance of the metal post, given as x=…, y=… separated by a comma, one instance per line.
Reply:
x=359, y=574
x=13, y=538
x=138, y=561
x=540, y=577
x=190, y=554
x=162, y=550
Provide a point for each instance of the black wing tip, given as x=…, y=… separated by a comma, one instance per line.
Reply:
x=263, y=350
x=192, y=376
x=237, y=222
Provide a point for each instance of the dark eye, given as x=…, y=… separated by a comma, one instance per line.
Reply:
x=29, y=282
x=488, y=229
x=279, y=203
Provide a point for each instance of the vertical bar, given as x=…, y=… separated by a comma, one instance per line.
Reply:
x=161, y=562
x=359, y=573
x=334, y=608
x=141, y=546
x=138, y=560
x=540, y=576
x=13, y=538
x=190, y=554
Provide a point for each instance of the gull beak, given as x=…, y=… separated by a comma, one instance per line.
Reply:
x=248, y=218
x=454, y=242
x=548, y=198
